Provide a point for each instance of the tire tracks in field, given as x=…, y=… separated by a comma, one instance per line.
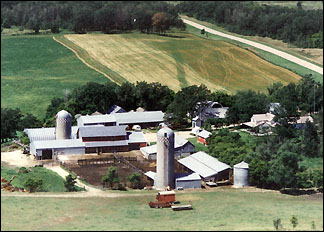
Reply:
x=83, y=61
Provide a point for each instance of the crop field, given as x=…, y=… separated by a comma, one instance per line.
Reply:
x=222, y=209
x=314, y=56
x=34, y=69
x=180, y=60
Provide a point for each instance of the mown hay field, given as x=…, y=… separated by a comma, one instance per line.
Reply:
x=178, y=60
x=221, y=209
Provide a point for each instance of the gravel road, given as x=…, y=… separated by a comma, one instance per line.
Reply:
x=260, y=46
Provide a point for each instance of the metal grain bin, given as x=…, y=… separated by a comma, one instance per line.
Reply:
x=241, y=174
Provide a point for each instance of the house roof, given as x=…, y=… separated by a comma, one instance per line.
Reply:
x=303, y=119
x=62, y=143
x=262, y=117
x=102, y=131
x=203, y=164
x=47, y=133
x=204, y=134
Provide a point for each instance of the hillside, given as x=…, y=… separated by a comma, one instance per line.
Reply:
x=179, y=60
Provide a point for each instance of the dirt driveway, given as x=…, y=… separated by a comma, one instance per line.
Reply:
x=151, y=137
x=16, y=158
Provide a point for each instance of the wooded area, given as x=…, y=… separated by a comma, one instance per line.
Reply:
x=85, y=16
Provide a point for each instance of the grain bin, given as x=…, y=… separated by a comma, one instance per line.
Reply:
x=63, y=125
x=241, y=174
x=165, y=159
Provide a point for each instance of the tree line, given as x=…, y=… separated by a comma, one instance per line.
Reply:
x=303, y=28
x=85, y=16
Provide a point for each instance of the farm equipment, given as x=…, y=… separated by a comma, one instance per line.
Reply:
x=7, y=184
x=163, y=199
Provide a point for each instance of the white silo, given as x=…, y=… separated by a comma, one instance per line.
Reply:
x=63, y=125
x=241, y=175
x=165, y=159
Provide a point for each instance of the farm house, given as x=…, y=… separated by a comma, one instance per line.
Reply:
x=208, y=167
x=182, y=148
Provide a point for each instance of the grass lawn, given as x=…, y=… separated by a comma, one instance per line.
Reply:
x=224, y=209
x=276, y=60
x=52, y=182
x=35, y=68
x=198, y=146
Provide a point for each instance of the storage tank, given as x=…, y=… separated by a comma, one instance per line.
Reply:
x=241, y=175
x=63, y=125
x=165, y=159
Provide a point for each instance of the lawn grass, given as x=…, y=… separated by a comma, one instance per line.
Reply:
x=276, y=60
x=226, y=209
x=52, y=182
x=198, y=146
x=35, y=68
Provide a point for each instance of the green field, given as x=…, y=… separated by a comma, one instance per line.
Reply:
x=34, y=69
x=221, y=209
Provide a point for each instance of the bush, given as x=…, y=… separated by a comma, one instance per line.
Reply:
x=33, y=184
x=23, y=170
x=69, y=183
x=294, y=221
x=277, y=224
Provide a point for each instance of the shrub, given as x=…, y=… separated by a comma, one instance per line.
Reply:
x=33, y=184
x=294, y=221
x=69, y=183
x=277, y=223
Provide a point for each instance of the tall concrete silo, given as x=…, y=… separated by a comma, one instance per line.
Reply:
x=165, y=159
x=63, y=125
x=241, y=175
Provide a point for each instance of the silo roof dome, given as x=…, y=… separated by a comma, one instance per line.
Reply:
x=165, y=130
x=63, y=114
x=241, y=165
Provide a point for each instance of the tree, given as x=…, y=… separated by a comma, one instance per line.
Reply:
x=202, y=31
x=135, y=179
x=10, y=122
x=69, y=183
x=111, y=177
x=33, y=183
x=310, y=144
x=184, y=106
x=160, y=22
x=126, y=96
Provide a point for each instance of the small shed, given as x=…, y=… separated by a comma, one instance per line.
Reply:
x=187, y=180
x=203, y=136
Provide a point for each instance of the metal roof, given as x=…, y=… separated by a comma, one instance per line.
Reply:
x=115, y=109
x=187, y=176
x=102, y=131
x=204, y=134
x=241, y=165
x=107, y=143
x=139, y=117
x=178, y=142
x=62, y=143
x=136, y=137
x=46, y=133
x=150, y=174
x=203, y=164
x=88, y=119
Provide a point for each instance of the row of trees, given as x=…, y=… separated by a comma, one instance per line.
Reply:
x=304, y=28
x=111, y=178
x=108, y=17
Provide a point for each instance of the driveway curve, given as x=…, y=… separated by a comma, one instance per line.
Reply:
x=284, y=55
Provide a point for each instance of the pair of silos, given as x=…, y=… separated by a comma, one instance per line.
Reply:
x=165, y=159
x=63, y=125
x=241, y=175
